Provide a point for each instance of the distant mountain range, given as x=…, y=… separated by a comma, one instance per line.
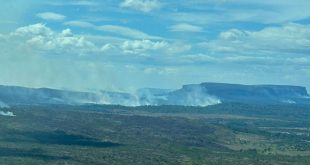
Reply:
x=190, y=95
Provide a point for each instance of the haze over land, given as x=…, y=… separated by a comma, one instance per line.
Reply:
x=148, y=82
x=124, y=45
x=203, y=94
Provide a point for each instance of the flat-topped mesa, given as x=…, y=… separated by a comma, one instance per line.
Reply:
x=203, y=94
x=275, y=90
x=250, y=93
x=13, y=95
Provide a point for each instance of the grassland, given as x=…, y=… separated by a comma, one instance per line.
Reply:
x=93, y=134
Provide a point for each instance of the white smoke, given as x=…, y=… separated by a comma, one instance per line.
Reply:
x=194, y=97
x=119, y=98
x=5, y=106
x=8, y=113
x=198, y=97
x=289, y=101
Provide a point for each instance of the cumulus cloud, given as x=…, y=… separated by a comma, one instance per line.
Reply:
x=290, y=38
x=42, y=38
x=139, y=46
x=45, y=41
x=35, y=29
x=141, y=5
x=184, y=27
x=148, y=47
x=51, y=16
x=271, y=45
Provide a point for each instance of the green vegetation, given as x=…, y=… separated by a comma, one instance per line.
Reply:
x=93, y=134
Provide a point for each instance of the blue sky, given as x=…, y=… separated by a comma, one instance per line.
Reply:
x=127, y=44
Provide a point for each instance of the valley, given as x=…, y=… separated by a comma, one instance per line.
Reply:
x=108, y=134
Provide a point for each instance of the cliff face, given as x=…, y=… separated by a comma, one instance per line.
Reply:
x=203, y=94
x=255, y=90
x=20, y=95
x=192, y=95
x=13, y=95
x=249, y=93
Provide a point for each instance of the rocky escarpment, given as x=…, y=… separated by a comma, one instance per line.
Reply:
x=203, y=94
x=245, y=93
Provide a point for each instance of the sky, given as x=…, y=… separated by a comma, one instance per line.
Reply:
x=123, y=45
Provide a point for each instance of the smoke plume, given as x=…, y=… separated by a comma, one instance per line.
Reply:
x=5, y=106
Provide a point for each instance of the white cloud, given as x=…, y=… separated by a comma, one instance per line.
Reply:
x=125, y=31
x=184, y=27
x=203, y=59
x=288, y=44
x=35, y=29
x=42, y=38
x=259, y=11
x=148, y=47
x=42, y=41
x=141, y=5
x=55, y=58
x=117, y=30
x=196, y=59
x=81, y=24
x=161, y=71
x=106, y=47
x=51, y=16
x=290, y=38
x=179, y=47
x=142, y=46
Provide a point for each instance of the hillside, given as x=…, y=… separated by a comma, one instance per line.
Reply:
x=203, y=94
